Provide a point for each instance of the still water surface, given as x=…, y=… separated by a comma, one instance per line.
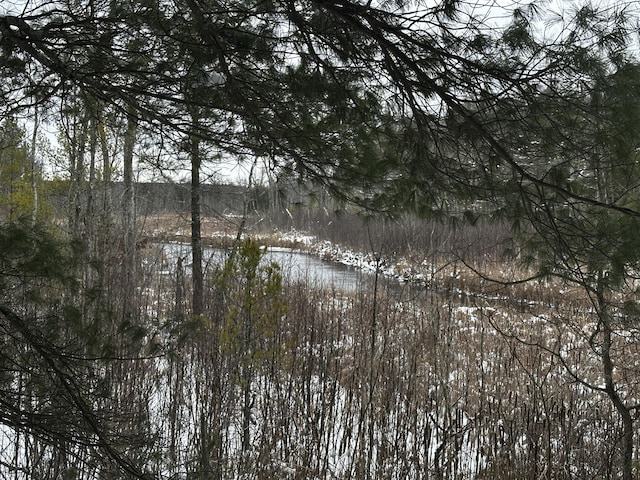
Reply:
x=295, y=266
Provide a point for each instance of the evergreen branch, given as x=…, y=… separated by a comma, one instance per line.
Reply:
x=66, y=380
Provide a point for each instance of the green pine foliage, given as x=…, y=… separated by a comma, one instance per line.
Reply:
x=19, y=176
x=62, y=361
x=14, y=171
x=566, y=232
x=36, y=263
x=253, y=305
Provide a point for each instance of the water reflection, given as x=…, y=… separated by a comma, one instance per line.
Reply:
x=301, y=267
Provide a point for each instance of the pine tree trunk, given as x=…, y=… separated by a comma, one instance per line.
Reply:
x=196, y=228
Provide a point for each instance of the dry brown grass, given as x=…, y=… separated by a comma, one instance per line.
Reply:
x=219, y=231
x=461, y=378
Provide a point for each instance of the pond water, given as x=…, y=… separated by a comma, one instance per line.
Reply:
x=295, y=266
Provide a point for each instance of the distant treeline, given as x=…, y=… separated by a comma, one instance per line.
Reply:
x=154, y=198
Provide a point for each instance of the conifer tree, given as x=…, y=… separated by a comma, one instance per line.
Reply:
x=53, y=360
x=595, y=156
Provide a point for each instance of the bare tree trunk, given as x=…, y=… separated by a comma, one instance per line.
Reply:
x=90, y=217
x=106, y=173
x=129, y=217
x=626, y=447
x=77, y=145
x=32, y=157
x=196, y=222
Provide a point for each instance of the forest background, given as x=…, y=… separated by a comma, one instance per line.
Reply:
x=485, y=153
